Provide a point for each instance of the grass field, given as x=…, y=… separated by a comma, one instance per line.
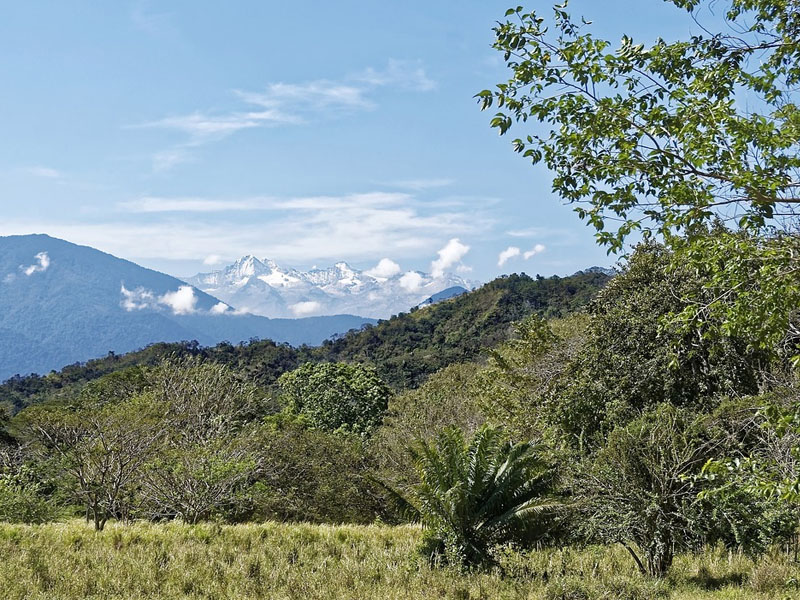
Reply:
x=279, y=561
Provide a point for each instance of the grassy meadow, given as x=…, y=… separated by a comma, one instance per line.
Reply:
x=70, y=561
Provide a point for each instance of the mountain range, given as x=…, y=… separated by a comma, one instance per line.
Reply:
x=61, y=303
x=263, y=287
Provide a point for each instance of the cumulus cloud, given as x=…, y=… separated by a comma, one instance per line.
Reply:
x=212, y=260
x=451, y=254
x=220, y=308
x=507, y=254
x=537, y=249
x=411, y=281
x=137, y=299
x=181, y=302
x=302, y=309
x=385, y=269
x=41, y=264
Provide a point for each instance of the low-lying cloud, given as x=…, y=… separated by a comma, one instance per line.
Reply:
x=42, y=263
x=304, y=309
x=183, y=301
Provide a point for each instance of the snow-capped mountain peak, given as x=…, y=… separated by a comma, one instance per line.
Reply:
x=263, y=287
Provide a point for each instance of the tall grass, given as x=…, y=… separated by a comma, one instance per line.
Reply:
x=70, y=561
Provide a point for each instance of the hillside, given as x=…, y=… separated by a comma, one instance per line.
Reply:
x=405, y=349
x=409, y=347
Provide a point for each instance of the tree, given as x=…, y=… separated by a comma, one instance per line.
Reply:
x=448, y=398
x=474, y=495
x=99, y=451
x=653, y=136
x=207, y=455
x=657, y=139
x=639, y=492
x=337, y=397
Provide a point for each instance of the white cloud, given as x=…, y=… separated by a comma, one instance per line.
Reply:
x=220, y=308
x=530, y=232
x=182, y=302
x=137, y=299
x=303, y=309
x=41, y=264
x=154, y=204
x=213, y=260
x=358, y=227
x=43, y=172
x=398, y=73
x=537, y=249
x=422, y=184
x=507, y=254
x=283, y=103
x=411, y=281
x=385, y=269
x=9, y=278
x=451, y=254
x=316, y=95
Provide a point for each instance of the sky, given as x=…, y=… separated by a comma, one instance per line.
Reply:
x=182, y=135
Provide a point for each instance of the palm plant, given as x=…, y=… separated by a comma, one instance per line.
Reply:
x=475, y=495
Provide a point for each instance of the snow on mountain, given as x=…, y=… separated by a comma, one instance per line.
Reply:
x=262, y=287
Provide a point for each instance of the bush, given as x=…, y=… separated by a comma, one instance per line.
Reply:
x=22, y=500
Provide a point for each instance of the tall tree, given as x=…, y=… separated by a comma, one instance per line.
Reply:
x=657, y=139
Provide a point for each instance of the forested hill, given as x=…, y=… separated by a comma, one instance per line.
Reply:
x=409, y=347
x=405, y=349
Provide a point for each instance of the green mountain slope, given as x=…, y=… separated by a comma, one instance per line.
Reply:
x=405, y=349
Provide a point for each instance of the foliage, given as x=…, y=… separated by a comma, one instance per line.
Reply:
x=408, y=348
x=520, y=374
x=98, y=451
x=475, y=495
x=205, y=456
x=306, y=474
x=23, y=499
x=448, y=398
x=639, y=490
x=337, y=397
x=654, y=137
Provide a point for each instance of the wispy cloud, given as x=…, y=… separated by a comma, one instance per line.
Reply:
x=40, y=266
x=422, y=184
x=282, y=103
x=305, y=309
x=352, y=226
x=398, y=73
x=160, y=204
x=43, y=172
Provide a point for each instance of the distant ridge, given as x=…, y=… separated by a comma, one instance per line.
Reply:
x=446, y=294
x=263, y=287
x=61, y=303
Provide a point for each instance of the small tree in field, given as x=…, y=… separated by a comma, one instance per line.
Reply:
x=639, y=491
x=474, y=495
x=99, y=451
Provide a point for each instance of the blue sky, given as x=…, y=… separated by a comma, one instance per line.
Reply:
x=182, y=135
